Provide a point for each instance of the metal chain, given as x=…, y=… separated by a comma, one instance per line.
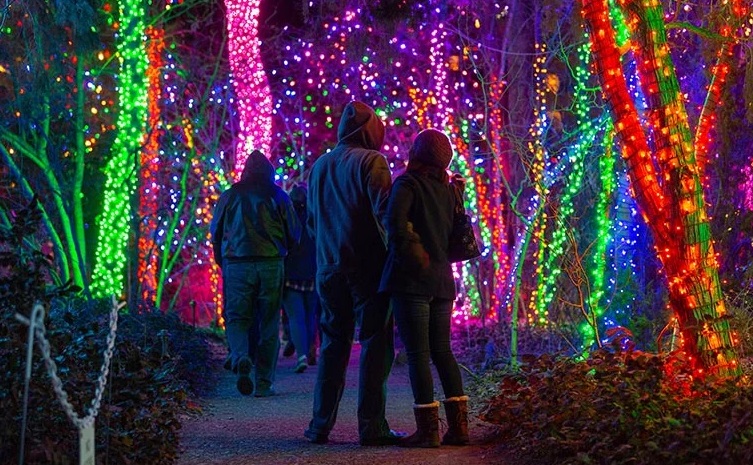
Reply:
x=57, y=384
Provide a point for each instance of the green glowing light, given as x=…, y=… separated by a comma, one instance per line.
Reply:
x=603, y=221
x=550, y=266
x=115, y=219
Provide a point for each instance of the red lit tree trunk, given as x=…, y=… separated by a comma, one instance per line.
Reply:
x=666, y=178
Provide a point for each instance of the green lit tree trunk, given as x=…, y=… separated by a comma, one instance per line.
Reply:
x=79, y=235
x=115, y=220
x=518, y=261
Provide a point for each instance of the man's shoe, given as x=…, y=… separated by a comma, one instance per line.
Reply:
x=288, y=350
x=315, y=438
x=301, y=366
x=311, y=356
x=390, y=439
x=266, y=392
x=244, y=384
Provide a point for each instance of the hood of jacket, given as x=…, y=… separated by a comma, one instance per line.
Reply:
x=258, y=168
x=360, y=126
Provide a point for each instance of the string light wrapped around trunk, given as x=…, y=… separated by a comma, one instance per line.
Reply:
x=666, y=179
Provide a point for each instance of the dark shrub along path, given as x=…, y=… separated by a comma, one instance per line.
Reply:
x=238, y=430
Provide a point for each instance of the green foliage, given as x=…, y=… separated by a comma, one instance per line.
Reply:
x=25, y=271
x=619, y=408
x=489, y=347
x=158, y=364
x=166, y=335
x=740, y=306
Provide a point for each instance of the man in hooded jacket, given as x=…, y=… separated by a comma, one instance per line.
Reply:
x=348, y=192
x=253, y=228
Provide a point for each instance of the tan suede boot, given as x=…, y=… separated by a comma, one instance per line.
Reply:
x=456, y=409
x=427, y=427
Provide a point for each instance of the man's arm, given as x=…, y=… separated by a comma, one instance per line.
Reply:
x=216, y=228
x=292, y=223
x=311, y=205
x=378, y=185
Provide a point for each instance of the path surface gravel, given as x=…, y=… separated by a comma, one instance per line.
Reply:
x=238, y=430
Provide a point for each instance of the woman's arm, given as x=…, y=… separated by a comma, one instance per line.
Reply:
x=402, y=239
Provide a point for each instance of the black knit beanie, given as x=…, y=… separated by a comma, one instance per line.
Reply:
x=432, y=148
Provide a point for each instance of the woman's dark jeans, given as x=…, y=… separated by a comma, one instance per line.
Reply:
x=424, y=326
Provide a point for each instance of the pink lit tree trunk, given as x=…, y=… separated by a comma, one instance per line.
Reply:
x=253, y=98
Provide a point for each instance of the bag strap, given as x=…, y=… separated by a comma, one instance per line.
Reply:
x=459, y=201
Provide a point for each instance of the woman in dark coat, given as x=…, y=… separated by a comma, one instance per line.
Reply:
x=419, y=277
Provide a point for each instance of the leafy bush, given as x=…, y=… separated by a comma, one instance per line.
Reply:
x=157, y=365
x=489, y=346
x=188, y=347
x=620, y=408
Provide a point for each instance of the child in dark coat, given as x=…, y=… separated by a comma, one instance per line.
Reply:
x=299, y=298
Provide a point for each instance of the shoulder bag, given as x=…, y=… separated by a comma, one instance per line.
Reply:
x=462, y=245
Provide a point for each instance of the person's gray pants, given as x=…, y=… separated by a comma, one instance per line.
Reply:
x=250, y=288
x=347, y=300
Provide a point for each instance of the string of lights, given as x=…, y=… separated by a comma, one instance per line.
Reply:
x=670, y=196
x=108, y=277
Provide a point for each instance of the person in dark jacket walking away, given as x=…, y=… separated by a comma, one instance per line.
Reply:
x=299, y=297
x=253, y=228
x=348, y=192
x=419, y=277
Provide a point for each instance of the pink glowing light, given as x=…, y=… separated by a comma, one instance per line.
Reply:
x=252, y=95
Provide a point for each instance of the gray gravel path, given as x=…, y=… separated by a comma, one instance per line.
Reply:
x=237, y=430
